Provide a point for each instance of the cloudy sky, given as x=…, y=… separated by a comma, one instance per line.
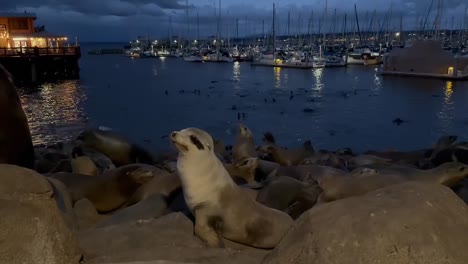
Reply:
x=122, y=20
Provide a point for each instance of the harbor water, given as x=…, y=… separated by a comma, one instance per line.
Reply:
x=145, y=99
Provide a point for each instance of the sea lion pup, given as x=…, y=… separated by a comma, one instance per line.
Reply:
x=83, y=165
x=289, y=157
x=289, y=195
x=221, y=208
x=244, y=169
x=15, y=137
x=364, y=180
x=110, y=190
x=117, y=148
x=244, y=147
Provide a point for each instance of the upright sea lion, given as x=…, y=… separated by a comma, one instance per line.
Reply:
x=15, y=137
x=120, y=150
x=364, y=180
x=110, y=190
x=221, y=208
x=245, y=146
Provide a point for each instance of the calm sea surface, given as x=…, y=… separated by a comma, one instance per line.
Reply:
x=349, y=107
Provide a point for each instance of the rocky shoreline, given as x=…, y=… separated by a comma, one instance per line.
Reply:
x=79, y=205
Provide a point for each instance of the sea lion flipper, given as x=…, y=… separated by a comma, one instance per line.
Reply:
x=206, y=231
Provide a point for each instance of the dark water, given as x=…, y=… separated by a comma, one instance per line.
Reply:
x=352, y=106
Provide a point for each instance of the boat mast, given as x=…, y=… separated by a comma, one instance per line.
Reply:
x=334, y=26
x=289, y=28
x=198, y=28
x=188, y=22
x=324, y=25
x=357, y=23
x=218, y=40
x=274, y=34
x=438, y=19
x=344, y=37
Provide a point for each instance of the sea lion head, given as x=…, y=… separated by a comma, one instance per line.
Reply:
x=451, y=172
x=244, y=131
x=193, y=141
x=446, y=141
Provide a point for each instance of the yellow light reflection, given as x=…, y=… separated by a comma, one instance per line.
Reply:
x=54, y=113
x=277, y=75
x=448, y=92
x=318, y=74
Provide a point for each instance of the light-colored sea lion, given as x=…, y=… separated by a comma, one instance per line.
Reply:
x=364, y=180
x=221, y=208
x=15, y=137
x=110, y=190
x=245, y=169
x=120, y=150
x=289, y=157
x=101, y=161
x=244, y=147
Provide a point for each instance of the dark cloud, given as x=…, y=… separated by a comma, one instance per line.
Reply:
x=125, y=19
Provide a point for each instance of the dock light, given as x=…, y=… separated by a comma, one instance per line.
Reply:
x=277, y=61
x=397, y=34
x=450, y=71
x=19, y=38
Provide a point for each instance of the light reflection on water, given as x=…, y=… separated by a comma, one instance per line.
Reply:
x=318, y=74
x=446, y=114
x=55, y=112
x=277, y=76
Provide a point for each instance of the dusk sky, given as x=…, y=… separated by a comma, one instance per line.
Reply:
x=122, y=20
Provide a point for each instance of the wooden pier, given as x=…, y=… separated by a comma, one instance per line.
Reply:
x=39, y=65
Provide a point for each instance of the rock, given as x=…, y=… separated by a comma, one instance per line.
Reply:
x=33, y=229
x=86, y=215
x=168, y=238
x=152, y=207
x=63, y=201
x=405, y=223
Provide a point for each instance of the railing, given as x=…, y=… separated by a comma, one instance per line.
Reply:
x=31, y=52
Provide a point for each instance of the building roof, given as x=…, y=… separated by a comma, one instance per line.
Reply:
x=42, y=34
x=18, y=15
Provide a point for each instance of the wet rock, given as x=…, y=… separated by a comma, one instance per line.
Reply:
x=407, y=223
x=33, y=229
x=168, y=238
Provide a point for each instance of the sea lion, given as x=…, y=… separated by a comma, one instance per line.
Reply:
x=244, y=147
x=457, y=152
x=221, y=208
x=163, y=183
x=221, y=150
x=15, y=137
x=120, y=150
x=101, y=161
x=366, y=160
x=289, y=195
x=83, y=165
x=110, y=190
x=364, y=180
x=245, y=169
x=289, y=157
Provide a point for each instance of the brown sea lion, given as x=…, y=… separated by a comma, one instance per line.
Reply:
x=289, y=157
x=120, y=150
x=245, y=169
x=110, y=190
x=244, y=147
x=364, y=180
x=15, y=137
x=221, y=208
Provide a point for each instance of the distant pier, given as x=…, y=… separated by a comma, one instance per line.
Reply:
x=38, y=65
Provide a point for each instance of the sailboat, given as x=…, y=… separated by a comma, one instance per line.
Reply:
x=218, y=55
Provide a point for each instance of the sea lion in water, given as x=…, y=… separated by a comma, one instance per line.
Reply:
x=110, y=190
x=245, y=146
x=15, y=137
x=364, y=180
x=289, y=157
x=221, y=208
x=117, y=148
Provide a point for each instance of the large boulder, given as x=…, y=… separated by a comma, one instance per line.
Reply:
x=168, y=238
x=33, y=229
x=406, y=223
